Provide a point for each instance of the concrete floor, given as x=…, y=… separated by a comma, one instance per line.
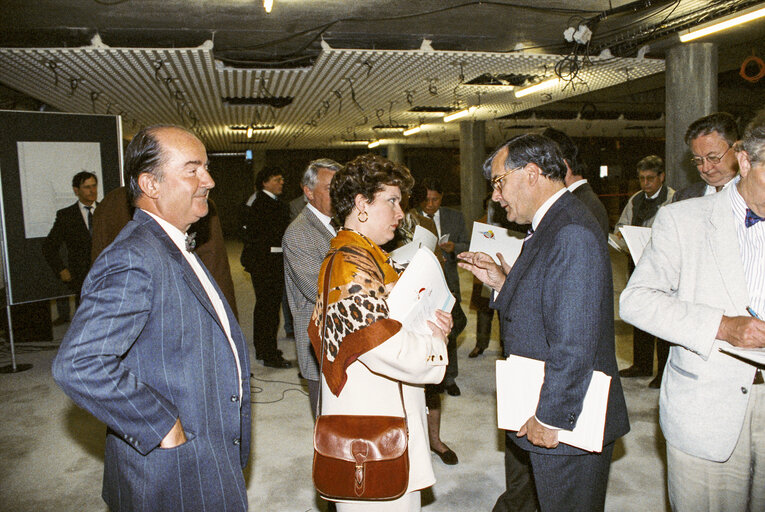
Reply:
x=51, y=452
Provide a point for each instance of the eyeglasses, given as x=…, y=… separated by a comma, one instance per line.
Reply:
x=698, y=161
x=496, y=181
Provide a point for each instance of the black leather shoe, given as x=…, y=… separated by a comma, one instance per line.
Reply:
x=447, y=456
x=476, y=352
x=655, y=383
x=277, y=362
x=453, y=389
x=634, y=371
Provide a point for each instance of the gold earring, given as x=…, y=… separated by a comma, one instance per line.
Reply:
x=366, y=216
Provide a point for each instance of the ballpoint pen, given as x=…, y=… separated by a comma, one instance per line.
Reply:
x=751, y=312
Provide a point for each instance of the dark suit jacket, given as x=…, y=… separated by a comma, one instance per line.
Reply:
x=694, y=190
x=264, y=225
x=557, y=306
x=69, y=230
x=115, y=211
x=590, y=199
x=453, y=223
x=146, y=347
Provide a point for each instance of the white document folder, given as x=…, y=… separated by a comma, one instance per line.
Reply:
x=519, y=382
x=493, y=239
x=637, y=237
x=419, y=292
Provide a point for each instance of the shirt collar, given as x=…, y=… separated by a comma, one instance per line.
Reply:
x=540, y=213
x=709, y=190
x=83, y=205
x=176, y=235
x=655, y=195
x=272, y=196
x=325, y=219
x=737, y=203
x=576, y=185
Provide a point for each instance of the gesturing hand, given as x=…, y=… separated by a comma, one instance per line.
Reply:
x=483, y=267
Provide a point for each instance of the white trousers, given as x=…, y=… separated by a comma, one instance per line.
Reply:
x=736, y=485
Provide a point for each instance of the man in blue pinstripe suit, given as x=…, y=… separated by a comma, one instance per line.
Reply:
x=154, y=350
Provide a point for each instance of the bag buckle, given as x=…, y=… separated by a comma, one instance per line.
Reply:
x=360, y=452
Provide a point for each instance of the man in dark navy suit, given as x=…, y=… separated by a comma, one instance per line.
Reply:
x=155, y=351
x=263, y=228
x=72, y=230
x=556, y=305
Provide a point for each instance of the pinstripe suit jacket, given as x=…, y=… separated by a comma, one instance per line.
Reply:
x=146, y=347
x=305, y=244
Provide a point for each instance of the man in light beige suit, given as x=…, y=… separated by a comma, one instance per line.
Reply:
x=699, y=284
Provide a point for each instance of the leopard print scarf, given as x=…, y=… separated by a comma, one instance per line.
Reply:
x=357, y=313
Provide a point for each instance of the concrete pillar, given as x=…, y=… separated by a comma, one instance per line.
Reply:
x=396, y=153
x=472, y=156
x=691, y=92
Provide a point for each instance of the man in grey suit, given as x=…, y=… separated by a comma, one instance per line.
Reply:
x=574, y=181
x=305, y=243
x=556, y=306
x=155, y=351
x=711, y=139
x=701, y=285
x=448, y=222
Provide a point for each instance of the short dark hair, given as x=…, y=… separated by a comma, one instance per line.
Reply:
x=366, y=175
x=265, y=174
x=82, y=176
x=720, y=122
x=651, y=163
x=433, y=184
x=143, y=155
x=567, y=148
x=531, y=148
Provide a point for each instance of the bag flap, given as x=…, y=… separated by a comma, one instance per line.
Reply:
x=362, y=438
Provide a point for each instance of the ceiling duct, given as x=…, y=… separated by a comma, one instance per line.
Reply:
x=270, y=101
x=502, y=79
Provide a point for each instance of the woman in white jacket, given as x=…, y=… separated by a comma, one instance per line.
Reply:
x=366, y=354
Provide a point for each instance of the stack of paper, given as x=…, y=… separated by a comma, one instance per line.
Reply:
x=419, y=292
x=493, y=239
x=519, y=383
x=421, y=238
x=637, y=237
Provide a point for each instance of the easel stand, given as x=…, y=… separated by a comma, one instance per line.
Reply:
x=13, y=367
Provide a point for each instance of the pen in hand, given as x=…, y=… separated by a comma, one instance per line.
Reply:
x=751, y=312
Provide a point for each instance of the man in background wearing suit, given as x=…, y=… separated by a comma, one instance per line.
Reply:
x=305, y=244
x=556, y=305
x=575, y=183
x=641, y=211
x=448, y=222
x=72, y=230
x=711, y=139
x=265, y=223
x=701, y=285
x=154, y=350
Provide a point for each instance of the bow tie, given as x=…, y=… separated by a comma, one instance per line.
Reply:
x=191, y=243
x=751, y=218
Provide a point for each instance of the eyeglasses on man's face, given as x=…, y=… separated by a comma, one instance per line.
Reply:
x=497, y=181
x=698, y=161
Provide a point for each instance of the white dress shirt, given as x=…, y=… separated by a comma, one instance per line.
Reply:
x=179, y=239
x=325, y=219
x=751, y=242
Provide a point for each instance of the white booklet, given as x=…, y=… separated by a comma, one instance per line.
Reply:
x=493, y=239
x=519, y=382
x=637, y=237
x=421, y=238
x=419, y=292
x=755, y=355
